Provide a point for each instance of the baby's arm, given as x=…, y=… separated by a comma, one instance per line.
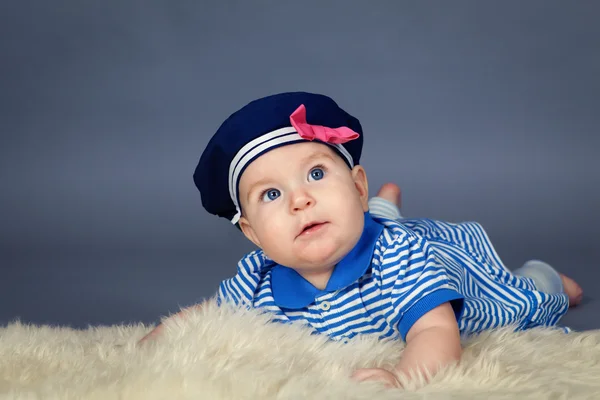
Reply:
x=432, y=342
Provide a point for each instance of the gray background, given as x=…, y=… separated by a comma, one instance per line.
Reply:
x=480, y=110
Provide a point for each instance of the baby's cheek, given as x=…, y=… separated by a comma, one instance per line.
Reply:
x=273, y=237
x=277, y=251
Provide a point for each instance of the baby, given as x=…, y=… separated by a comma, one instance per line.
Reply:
x=285, y=170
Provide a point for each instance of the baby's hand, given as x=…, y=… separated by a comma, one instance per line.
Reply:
x=377, y=374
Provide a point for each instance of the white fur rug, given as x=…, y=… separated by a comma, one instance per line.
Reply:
x=222, y=353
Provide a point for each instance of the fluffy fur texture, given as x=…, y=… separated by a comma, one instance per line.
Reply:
x=224, y=353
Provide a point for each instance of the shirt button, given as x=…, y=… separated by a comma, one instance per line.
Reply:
x=325, y=306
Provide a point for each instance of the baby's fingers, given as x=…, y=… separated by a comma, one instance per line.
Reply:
x=375, y=374
x=364, y=374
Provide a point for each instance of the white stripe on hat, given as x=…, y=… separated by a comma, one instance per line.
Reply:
x=262, y=143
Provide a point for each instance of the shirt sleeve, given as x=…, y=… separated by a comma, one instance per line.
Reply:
x=240, y=288
x=418, y=282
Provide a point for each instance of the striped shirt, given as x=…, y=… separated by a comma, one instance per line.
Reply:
x=398, y=271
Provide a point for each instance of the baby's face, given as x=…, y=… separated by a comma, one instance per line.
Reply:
x=303, y=206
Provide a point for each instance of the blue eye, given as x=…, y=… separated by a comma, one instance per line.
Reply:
x=270, y=195
x=316, y=174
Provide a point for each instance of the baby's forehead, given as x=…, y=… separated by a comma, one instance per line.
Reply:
x=294, y=154
x=282, y=159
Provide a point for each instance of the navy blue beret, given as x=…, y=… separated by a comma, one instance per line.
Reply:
x=258, y=127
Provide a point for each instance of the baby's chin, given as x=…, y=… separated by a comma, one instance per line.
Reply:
x=320, y=254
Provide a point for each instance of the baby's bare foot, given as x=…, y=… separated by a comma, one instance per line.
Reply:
x=391, y=193
x=572, y=289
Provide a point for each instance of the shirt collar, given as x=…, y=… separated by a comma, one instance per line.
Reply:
x=291, y=290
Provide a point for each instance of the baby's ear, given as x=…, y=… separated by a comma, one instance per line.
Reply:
x=362, y=185
x=248, y=231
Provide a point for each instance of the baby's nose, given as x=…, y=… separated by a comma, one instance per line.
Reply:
x=302, y=201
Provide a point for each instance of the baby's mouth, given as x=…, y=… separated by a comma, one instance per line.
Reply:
x=311, y=228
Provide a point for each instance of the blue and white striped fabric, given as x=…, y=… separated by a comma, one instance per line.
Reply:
x=413, y=265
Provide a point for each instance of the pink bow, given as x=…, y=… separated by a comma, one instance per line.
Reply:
x=322, y=133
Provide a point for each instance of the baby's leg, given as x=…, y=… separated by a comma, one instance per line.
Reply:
x=548, y=280
x=387, y=202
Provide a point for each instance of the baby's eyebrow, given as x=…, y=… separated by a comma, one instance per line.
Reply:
x=260, y=182
x=316, y=156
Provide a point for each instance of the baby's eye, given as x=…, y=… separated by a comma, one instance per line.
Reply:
x=270, y=195
x=316, y=174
